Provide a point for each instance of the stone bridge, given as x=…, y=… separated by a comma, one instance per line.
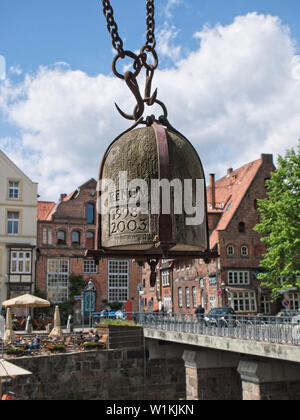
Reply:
x=250, y=362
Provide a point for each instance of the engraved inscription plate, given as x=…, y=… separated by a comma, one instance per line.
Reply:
x=124, y=221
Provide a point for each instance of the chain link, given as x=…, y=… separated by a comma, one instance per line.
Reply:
x=151, y=42
x=112, y=27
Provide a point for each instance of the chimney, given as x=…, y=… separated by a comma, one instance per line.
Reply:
x=212, y=196
x=62, y=197
x=229, y=171
x=266, y=158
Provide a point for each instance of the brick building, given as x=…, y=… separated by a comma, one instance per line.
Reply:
x=65, y=231
x=230, y=280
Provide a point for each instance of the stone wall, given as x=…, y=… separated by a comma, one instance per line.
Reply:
x=100, y=375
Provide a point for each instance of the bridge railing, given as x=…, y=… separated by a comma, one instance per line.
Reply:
x=269, y=329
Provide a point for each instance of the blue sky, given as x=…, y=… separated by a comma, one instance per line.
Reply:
x=36, y=35
x=35, y=32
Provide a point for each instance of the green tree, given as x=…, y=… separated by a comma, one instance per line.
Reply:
x=280, y=225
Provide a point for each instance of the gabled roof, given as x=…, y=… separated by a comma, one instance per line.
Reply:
x=15, y=167
x=45, y=210
x=230, y=191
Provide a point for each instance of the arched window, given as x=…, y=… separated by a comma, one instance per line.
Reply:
x=242, y=227
x=76, y=238
x=61, y=238
x=244, y=251
x=230, y=250
x=90, y=213
x=90, y=239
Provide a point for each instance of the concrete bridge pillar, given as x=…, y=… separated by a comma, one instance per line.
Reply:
x=212, y=375
x=269, y=380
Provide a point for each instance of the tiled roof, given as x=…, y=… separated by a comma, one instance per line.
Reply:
x=45, y=210
x=229, y=191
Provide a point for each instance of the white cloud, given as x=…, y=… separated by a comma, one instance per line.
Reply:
x=171, y=4
x=166, y=46
x=236, y=96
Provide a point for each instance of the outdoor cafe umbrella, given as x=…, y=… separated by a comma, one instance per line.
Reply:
x=26, y=301
x=56, y=333
x=9, y=336
x=8, y=370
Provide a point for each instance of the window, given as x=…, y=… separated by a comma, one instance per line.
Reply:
x=212, y=280
x=212, y=301
x=255, y=204
x=243, y=301
x=230, y=250
x=58, y=280
x=118, y=280
x=201, y=282
x=242, y=227
x=167, y=303
x=20, y=262
x=265, y=305
x=194, y=296
x=13, y=223
x=244, y=251
x=187, y=297
x=90, y=239
x=238, y=277
x=47, y=236
x=76, y=238
x=90, y=267
x=13, y=190
x=180, y=302
x=90, y=214
x=165, y=276
x=61, y=238
x=295, y=301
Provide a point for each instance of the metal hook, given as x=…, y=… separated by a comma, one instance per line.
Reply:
x=131, y=82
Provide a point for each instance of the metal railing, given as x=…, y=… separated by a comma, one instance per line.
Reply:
x=267, y=329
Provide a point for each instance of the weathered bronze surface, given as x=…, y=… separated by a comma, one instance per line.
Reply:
x=137, y=153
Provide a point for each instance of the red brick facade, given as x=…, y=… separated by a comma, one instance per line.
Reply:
x=231, y=279
x=65, y=232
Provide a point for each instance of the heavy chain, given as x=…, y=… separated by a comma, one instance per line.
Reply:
x=112, y=27
x=139, y=61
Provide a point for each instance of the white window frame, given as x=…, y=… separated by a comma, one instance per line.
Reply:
x=194, y=296
x=238, y=277
x=90, y=267
x=244, y=302
x=230, y=254
x=15, y=223
x=165, y=278
x=180, y=297
x=58, y=273
x=295, y=301
x=187, y=297
x=21, y=258
x=212, y=301
x=266, y=304
x=118, y=281
x=14, y=188
x=246, y=249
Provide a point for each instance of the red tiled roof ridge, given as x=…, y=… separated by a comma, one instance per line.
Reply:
x=231, y=189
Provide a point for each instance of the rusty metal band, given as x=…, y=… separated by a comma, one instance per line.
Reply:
x=164, y=220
